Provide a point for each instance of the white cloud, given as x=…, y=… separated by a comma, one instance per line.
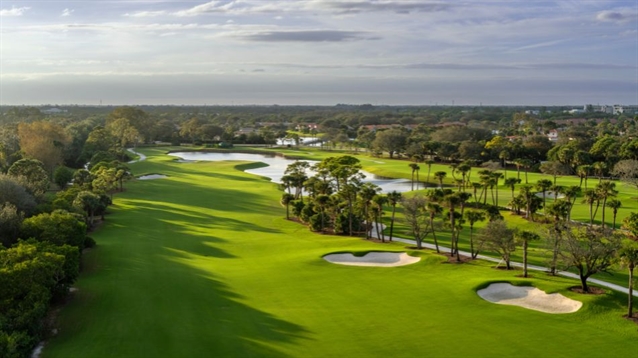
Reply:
x=145, y=13
x=209, y=7
x=67, y=12
x=14, y=11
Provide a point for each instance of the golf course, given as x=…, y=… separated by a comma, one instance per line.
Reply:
x=203, y=263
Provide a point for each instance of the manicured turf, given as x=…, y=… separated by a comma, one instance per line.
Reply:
x=202, y=264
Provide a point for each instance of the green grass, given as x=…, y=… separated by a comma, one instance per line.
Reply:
x=203, y=264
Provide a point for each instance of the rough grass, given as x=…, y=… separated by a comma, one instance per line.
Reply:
x=203, y=264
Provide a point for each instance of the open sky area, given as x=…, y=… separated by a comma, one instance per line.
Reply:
x=319, y=52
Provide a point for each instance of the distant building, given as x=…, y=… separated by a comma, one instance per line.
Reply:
x=552, y=135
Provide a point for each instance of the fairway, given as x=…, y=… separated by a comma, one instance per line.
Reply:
x=202, y=263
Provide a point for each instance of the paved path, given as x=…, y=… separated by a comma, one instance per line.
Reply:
x=517, y=264
x=141, y=159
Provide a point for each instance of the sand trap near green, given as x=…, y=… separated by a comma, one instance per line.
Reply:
x=152, y=177
x=379, y=259
x=529, y=297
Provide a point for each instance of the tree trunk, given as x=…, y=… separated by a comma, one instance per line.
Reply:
x=472, y=241
x=525, y=258
x=287, y=211
x=630, y=301
x=583, y=282
x=436, y=243
x=507, y=263
x=394, y=207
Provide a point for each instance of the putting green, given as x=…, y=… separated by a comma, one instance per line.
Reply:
x=202, y=263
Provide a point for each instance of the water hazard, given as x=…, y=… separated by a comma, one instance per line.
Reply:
x=277, y=166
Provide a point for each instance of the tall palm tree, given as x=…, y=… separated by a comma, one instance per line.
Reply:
x=440, y=176
x=629, y=258
x=559, y=210
x=543, y=185
x=377, y=208
x=526, y=164
x=526, y=192
x=606, y=190
x=413, y=166
x=583, y=173
x=599, y=169
x=511, y=183
x=504, y=155
x=417, y=177
x=525, y=236
x=557, y=189
x=614, y=205
x=473, y=216
x=429, y=164
x=464, y=168
x=452, y=201
x=519, y=163
x=496, y=176
x=366, y=193
x=475, y=187
x=286, y=198
x=591, y=197
x=393, y=199
x=322, y=201
x=434, y=210
x=571, y=193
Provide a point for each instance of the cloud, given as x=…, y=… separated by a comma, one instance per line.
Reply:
x=400, y=7
x=145, y=13
x=622, y=15
x=306, y=36
x=14, y=11
x=67, y=12
x=209, y=7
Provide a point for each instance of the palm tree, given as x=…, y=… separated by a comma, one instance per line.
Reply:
x=614, y=205
x=559, y=210
x=464, y=168
x=591, y=197
x=393, y=199
x=417, y=177
x=440, y=176
x=557, y=189
x=583, y=173
x=429, y=164
x=473, y=216
x=519, y=163
x=571, y=193
x=413, y=166
x=629, y=257
x=286, y=198
x=434, y=210
x=367, y=192
x=504, y=155
x=526, y=164
x=322, y=201
x=475, y=187
x=377, y=208
x=526, y=192
x=542, y=185
x=605, y=190
x=452, y=200
x=525, y=236
x=511, y=182
x=599, y=168
x=496, y=176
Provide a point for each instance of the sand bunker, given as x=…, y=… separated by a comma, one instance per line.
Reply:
x=185, y=161
x=152, y=176
x=551, y=195
x=529, y=297
x=380, y=259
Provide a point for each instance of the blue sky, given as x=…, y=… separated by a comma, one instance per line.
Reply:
x=319, y=52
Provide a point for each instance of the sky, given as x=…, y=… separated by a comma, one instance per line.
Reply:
x=319, y=52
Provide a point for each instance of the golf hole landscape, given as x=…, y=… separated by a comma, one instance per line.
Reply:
x=204, y=263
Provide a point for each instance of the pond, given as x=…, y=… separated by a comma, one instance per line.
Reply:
x=277, y=166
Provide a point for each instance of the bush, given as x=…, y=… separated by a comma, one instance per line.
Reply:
x=89, y=242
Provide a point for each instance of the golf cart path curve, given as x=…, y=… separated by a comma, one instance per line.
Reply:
x=142, y=157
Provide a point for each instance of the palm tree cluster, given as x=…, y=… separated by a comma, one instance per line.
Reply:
x=336, y=198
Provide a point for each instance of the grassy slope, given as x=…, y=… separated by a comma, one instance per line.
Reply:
x=202, y=264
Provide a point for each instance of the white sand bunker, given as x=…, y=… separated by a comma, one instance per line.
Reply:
x=381, y=259
x=529, y=297
x=152, y=176
x=551, y=195
x=185, y=161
